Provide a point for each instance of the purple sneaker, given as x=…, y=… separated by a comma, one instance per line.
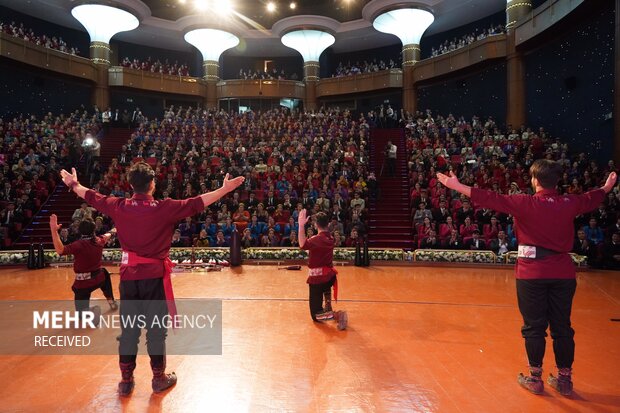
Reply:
x=125, y=387
x=163, y=382
x=325, y=315
x=343, y=319
x=533, y=383
x=563, y=383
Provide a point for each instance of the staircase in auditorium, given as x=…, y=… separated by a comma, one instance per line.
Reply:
x=62, y=202
x=390, y=219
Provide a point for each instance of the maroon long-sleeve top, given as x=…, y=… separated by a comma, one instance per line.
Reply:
x=545, y=220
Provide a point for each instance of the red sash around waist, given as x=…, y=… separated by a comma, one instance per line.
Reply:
x=322, y=272
x=132, y=259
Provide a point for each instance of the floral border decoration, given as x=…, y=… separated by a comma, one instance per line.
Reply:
x=460, y=256
x=283, y=254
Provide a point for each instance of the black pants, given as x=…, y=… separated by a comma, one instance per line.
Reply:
x=82, y=295
x=547, y=302
x=146, y=300
x=391, y=163
x=316, y=296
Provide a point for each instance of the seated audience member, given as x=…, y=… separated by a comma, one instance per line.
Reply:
x=188, y=228
x=500, y=245
x=220, y=241
x=291, y=240
x=445, y=229
x=441, y=214
x=431, y=241
x=454, y=242
x=353, y=239
x=176, y=239
x=247, y=241
x=467, y=229
x=611, y=253
x=593, y=232
x=475, y=242
x=202, y=240
x=582, y=246
x=421, y=213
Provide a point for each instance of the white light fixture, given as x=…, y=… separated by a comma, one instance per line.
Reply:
x=271, y=7
x=211, y=42
x=201, y=5
x=103, y=22
x=407, y=24
x=309, y=43
x=293, y=5
x=222, y=7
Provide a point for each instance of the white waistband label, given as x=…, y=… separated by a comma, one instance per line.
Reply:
x=526, y=251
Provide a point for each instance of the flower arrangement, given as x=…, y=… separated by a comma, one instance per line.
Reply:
x=283, y=254
x=478, y=257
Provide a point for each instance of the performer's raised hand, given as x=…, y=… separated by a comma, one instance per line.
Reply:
x=232, y=184
x=54, y=225
x=450, y=181
x=611, y=182
x=302, y=219
x=69, y=179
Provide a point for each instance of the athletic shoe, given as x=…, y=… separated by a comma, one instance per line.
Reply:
x=325, y=315
x=563, y=383
x=125, y=387
x=96, y=310
x=163, y=382
x=113, y=305
x=343, y=319
x=533, y=384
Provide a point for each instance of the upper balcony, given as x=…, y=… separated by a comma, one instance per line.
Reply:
x=489, y=48
x=253, y=88
x=156, y=82
x=366, y=82
x=60, y=62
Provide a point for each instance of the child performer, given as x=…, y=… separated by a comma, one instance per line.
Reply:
x=89, y=274
x=321, y=271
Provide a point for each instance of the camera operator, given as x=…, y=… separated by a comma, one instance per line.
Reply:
x=92, y=149
x=390, y=157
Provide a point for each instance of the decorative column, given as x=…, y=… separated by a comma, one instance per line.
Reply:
x=408, y=25
x=310, y=44
x=101, y=23
x=211, y=43
x=515, y=68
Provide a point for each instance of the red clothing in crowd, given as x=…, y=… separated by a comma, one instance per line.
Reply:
x=320, y=249
x=86, y=258
x=145, y=227
x=543, y=220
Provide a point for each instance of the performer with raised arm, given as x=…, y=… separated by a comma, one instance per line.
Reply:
x=545, y=273
x=321, y=272
x=89, y=273
x=144, y=228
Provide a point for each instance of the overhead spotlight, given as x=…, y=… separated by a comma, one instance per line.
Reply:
x=182, y=1
x=201, y=5
x=271, y=7
x=222, y=6
x=293, y=6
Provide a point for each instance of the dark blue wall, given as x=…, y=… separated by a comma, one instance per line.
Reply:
x=570, y=83
x=24, y=89
x=330, y=60
x=74, y=38
x=428, y=42
x=481, y=93
x=133, y=51
x=150, y=103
